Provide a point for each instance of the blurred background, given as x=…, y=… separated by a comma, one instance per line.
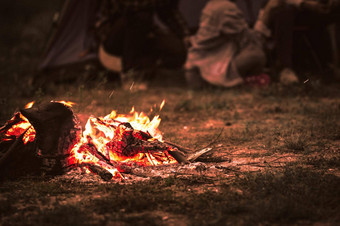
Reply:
x=24, y=28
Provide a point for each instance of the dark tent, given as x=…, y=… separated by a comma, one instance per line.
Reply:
x=71, y=38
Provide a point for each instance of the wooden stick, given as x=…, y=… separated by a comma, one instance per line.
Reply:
x=93, y=150
x=181, y=148
x=180, y=157
x=103, y=173
x=197, y=154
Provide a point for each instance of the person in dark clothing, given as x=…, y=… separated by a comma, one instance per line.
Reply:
x=139, y=40
x=301, y=37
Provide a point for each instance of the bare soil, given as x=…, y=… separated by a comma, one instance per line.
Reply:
x=275, y=155
x=274, y=160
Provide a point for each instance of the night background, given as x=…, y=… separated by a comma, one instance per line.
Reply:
x=275, y=155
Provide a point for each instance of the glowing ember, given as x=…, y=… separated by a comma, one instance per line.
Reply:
x=109, y=142
x=19, y=124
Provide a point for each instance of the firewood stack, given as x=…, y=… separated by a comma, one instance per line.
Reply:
x=55, y=135
x=56, y=128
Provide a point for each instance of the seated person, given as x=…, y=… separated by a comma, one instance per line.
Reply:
x=137, y=40
x=225, y=50
x=302, y=39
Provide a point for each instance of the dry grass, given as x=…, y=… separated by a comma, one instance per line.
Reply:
x=278, y=153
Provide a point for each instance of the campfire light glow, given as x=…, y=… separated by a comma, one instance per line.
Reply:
x=66, y=103
x=21, y=124
x=109, y=142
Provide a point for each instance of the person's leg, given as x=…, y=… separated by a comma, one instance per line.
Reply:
x=115, y=37
x=194, y=78
x=250, y=61
x=169, y=50
x=280, y=17
x=282, y=26
x=251, y=58
x=135, y=54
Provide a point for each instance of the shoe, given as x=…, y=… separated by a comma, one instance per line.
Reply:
x=288, y=77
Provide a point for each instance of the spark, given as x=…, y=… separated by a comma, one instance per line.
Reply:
x=111, y=94
x=29, y=105
x=162, y=105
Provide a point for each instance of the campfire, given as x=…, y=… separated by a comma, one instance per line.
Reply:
x=48, y=138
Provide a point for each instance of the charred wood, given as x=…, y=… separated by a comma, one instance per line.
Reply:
x=179, y=147
x=103, y=173
x=93, y=150
x=196, y=155
x=179, y=156
x=52, y=121
x=11, y=151
x=20, y=160
x=9, y=124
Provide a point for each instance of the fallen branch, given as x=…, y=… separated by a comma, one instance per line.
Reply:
x=179, y=156
x=197, y=154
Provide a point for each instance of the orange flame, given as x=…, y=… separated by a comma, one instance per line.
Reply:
x=105, y=140
x=107, y=134
x=66, y=103
x=22, y=124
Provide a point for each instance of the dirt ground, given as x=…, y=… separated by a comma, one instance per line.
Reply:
x=275, y=155
x=274, y=160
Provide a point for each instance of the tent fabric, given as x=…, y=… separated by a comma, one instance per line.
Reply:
x=73, y=36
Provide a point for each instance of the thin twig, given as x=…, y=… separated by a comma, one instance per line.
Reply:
x=181, y=148
x=213, y=141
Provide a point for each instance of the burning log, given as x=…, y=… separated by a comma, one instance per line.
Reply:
x=93, y=150
x=52, y=121
x=14, y=147
x=15, y=120
x=103, y=173
x=19, y=160
x=53, y=128
x=107, y=146
x=57, y=130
